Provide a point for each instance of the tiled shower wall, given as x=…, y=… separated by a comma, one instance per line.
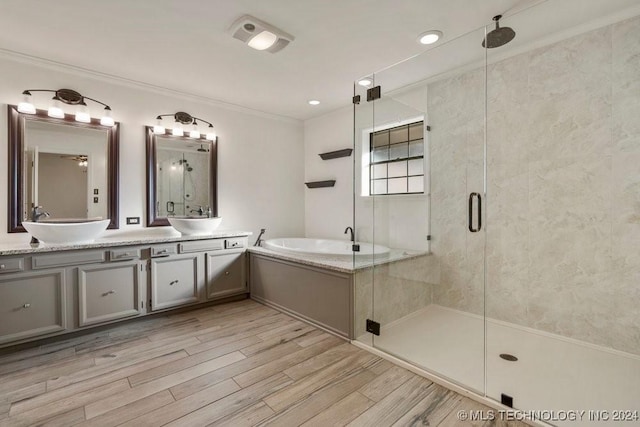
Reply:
x=563, y=208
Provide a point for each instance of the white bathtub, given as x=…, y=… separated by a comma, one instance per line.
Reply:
x=324, y=248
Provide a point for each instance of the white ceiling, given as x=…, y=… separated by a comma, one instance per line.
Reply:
x=183, y=45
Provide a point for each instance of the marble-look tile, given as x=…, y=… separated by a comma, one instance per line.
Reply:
x=626, y=85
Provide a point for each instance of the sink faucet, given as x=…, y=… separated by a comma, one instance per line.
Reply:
x=202, y=211
x=353, y=235
x=36, y=214
x=259, y=239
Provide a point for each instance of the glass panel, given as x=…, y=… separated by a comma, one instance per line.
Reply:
x=416, y=184
x=379, y=186
x=398, y=151
x=399, y=135
x=397, y=185
x=380, y=171
x=416, y=148
x=415, y=132
x=416, y=167
x=431, y=305
x=380, y=154
x=381, y=139
x=397, y=169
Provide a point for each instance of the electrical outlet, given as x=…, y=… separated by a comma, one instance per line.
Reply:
x=131, y=220
x=95, y=200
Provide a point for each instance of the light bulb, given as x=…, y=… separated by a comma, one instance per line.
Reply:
x=429, y=37
x=263, y=40
x=211, y=134
x=83, y=115
x=26, y=106
x=106, y=119
x=365, y=82
x=177, y=129
x=194, y=132
x=159, y=128
x=55, y=110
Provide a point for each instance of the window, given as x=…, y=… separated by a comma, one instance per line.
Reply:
x=396, y=160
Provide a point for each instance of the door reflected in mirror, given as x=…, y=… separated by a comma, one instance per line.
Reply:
x=181, y=177
x=66, y=171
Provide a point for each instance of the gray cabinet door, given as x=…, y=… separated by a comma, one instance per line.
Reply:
x=32, y=304
x=174, y=281
x=108, y=292
x=225, y=274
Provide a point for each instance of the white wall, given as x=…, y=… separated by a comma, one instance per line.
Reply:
x=328, y=211
x=260, y=172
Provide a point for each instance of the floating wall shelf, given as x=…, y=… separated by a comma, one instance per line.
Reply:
x=320, y=184
x=336, y=154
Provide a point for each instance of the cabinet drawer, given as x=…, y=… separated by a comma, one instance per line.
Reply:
x=225, y=274
x=174, y=281
x=234, y=243
x=201, y=246
x=32, y=304
x=11, y=265
x=124, y=254
x=164, y=250
x=64, y=259
x=108, y=292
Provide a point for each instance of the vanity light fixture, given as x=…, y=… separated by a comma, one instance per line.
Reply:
x=182, y=119
x=69, y=97
x=429, y=37
x=259, y=34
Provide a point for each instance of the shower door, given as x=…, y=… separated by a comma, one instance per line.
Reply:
x=420, y=199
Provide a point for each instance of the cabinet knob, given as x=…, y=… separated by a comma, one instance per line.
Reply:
x=226, y=273
x=174, y=282
x=27, y=305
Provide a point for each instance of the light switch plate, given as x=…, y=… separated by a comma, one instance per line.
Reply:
x=131, y=220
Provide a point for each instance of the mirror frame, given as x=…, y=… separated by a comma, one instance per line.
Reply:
x=17, y=123
x=152, y=219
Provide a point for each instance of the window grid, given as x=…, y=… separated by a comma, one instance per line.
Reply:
x=399, y=139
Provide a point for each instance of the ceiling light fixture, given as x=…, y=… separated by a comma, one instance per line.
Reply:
x=365, y=82
x=182, y=119
x=314, y=102
x=69, y=97
x=259, y=34
x=429, y=37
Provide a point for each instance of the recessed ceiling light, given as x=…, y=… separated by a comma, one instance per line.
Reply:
x=365, y=82
x=314, y=102
x=429, y=37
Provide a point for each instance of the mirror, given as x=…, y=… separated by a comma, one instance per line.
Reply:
x=181, y=177
x=67, y=167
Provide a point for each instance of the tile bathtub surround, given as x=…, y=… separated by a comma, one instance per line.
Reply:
x=563, y=140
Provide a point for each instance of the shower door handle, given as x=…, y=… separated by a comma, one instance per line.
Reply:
x=479, y=199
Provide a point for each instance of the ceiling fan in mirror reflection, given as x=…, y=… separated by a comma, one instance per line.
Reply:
x=68, y=97
x=182, y=119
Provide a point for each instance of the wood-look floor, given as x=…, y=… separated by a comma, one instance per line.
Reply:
x=238, y=364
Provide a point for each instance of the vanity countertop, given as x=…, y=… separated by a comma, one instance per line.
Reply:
x=113, y=239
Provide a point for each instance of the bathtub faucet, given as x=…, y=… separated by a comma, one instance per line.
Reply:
x=259, y=240
x=353, y=235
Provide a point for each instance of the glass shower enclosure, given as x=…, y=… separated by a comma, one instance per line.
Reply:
x=505, y=183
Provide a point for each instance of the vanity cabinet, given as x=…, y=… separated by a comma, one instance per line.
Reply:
x=174, y=281
x=226, y=273
x=32, y=304
x=108, y=292
x=50, y=292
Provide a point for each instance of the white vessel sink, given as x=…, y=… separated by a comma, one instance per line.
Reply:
x=194, y=225
x=65, y=232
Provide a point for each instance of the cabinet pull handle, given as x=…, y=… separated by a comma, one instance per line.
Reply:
x=226, y=273
x=173, y=283
x=27, y=305
x=109, y=293
x=2, y=266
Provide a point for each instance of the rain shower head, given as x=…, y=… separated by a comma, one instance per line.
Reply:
x=498, y=36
